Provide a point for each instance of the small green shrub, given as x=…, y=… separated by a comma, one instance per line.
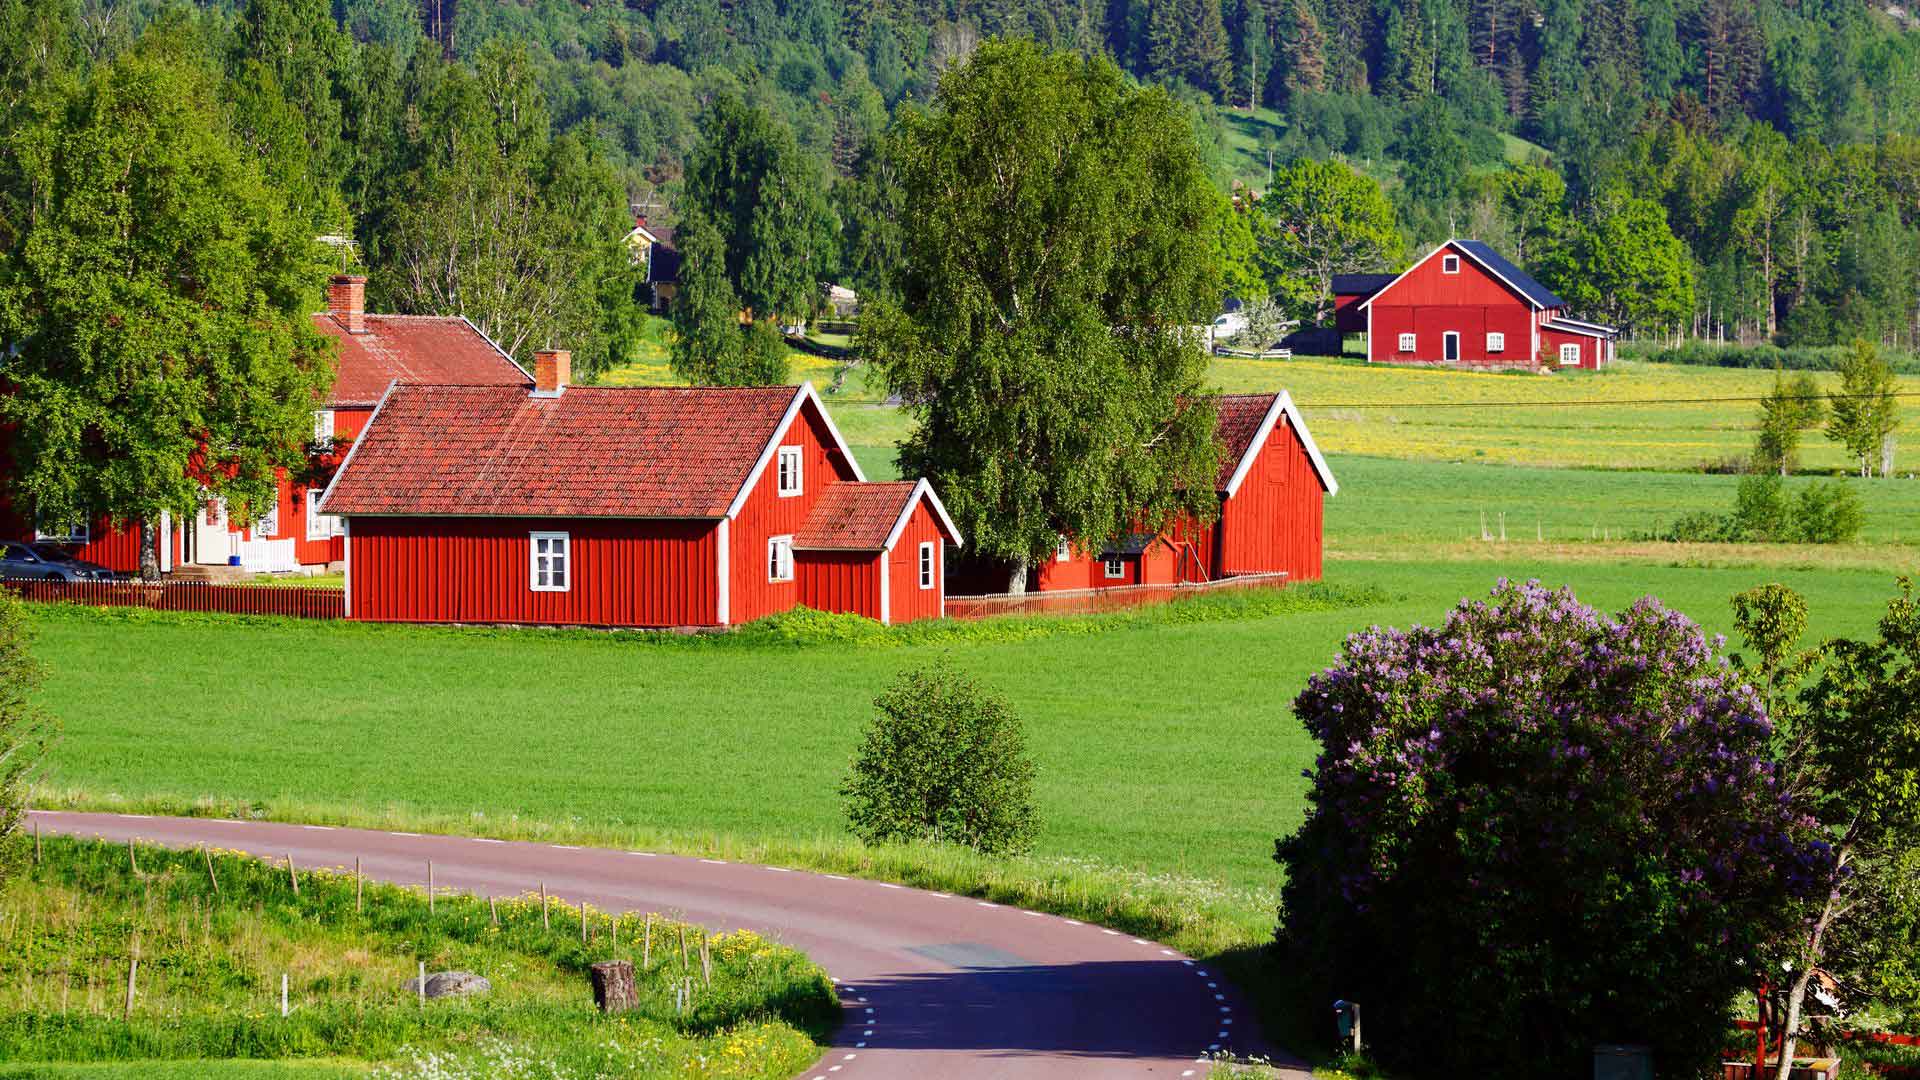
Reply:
x=1763, y=357
x=1760, y=509
x=944, y=760
x=1828, y=513
x=1700, y=527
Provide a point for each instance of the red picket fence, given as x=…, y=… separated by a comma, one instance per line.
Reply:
x=1087, y=601
x=299, y=601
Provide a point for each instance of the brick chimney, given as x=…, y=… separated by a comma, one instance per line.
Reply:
x=552, y=368
x=347, y=301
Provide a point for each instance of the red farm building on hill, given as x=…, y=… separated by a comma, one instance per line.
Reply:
x=1272, y=486
x=373, y=351
x=1465, y=304
x=616, y=506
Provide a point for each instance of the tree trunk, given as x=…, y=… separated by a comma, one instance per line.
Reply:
x=613, y=986
x=1017, y=579
x=1888, y=444
x=1810, y=962
x=149, y=551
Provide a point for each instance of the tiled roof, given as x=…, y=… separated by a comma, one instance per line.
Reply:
x=1518, y=278
x=671, y=452
x=416, y=349
x=1239, y=421
x=855, y=516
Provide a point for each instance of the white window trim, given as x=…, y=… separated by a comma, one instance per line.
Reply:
x=320, y=526
x=1496, y=341
x=1409, y=342
x=789, y=471
x=1449, y=264
x=565, y=554
x=269, y=523
x=929, y=565
x=1114, y=567
x=779, y=558
x=1454, y=335
x=1063, y=551
x=322, y=427
x=78, y=534
x=1569, y=353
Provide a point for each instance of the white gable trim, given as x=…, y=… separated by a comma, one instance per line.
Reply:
x=723, y=564
x=886, y=588
x=922, y=490
x=1282, y=406
x=1458, y=250
x=803, y=394
x=347, y=462
x=504, y=354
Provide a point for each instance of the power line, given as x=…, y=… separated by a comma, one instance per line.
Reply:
x=1590, y=403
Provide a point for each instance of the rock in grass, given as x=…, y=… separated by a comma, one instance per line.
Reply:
x=451, y=984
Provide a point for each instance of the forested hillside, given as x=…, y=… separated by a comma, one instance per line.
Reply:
x=1738, y=168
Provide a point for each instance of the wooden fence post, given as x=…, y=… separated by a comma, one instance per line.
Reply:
x=36, y=843
x=283, y=995
x=208, y=855
x=132, y=864
x=293, y=875
x=133, y=970
x=493, y=906
x=546, y=923
x=646, y=950
x=583, y=922
x=423, y=984
x=356, y=885
x=429, y=886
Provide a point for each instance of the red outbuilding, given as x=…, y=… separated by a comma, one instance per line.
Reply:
x=625, y=506
x=1466, y=304
x=1273, y=485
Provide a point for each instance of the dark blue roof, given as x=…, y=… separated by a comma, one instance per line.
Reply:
x=1360, y=284
x=1518, y=278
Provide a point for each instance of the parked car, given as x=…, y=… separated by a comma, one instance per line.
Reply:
x=46, y=563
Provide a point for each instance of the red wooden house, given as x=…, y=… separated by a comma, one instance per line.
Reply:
x=1466, y=304
x=373, y=351
x=1272, y=486
x=617, y=506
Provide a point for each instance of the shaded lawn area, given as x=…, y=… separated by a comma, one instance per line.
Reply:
x=1166, y=749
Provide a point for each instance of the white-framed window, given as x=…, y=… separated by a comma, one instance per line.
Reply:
x=1496, y=342
x=1449, y=264
x=1407, y=342
x=76, y=533
x=1115, y=566
x=780, y=558
x=1063, y=551
x=319, y=526
x=928, y=561
x=322, y=427
x=551, y=569
x=1570, y=353
x=791, y=481
x=267, y=526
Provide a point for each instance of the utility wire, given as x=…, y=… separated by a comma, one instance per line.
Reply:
x=1312, y=406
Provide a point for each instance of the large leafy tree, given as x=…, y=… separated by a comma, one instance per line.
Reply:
x=1059, y=241
x=154, y=303
x=1865, y=414
x=496, y=220
x=1319, y=219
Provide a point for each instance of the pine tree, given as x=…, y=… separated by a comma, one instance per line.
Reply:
x=1252, y=54
x=1407, y=59
x=1306, y=52
x=1209, y=57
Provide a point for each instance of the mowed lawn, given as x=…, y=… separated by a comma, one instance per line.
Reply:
x=1166, y=750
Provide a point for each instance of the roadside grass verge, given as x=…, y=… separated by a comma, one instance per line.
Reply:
x=210, y=964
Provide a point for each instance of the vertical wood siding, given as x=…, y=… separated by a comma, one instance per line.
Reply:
x=765, y=514
x=1591, y=348
x=1273, y=522
x=840, y=581
x=624, y=573
x=1428, y=303
x=906, y=600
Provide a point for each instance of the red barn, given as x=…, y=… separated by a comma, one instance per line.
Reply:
x=373, y=351
x=1466, y=304
x=1272, y=487
x=615, y=506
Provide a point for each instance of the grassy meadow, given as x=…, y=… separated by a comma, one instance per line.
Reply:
x=211, y=962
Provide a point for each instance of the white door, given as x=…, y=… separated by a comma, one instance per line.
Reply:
x=212, y=543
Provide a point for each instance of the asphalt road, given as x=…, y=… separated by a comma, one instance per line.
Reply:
x=934, y=986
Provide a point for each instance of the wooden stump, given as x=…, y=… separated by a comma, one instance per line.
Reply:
x=613, y=985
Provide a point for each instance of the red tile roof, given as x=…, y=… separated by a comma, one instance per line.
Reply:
x=1239, y=421
x=855, y=517
x=413, y=348
x=672, y=452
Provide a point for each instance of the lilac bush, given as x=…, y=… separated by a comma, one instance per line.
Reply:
x=1536, y=828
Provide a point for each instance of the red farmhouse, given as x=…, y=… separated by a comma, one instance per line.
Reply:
x=1272, y=485
x=373, y=351
x=613, y=506
x=1465, y=304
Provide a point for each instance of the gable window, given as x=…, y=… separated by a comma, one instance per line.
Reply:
x=1496, y=343
x=75, y=533
x=322, y=427
x=552, y=561
x=780, y=558
x=1570, y=353
x=790, y=479
x=1449, y=264
x=1063, y=551
x=319, y=526
x=1407, y=342
x=1115, y=566
x=926, y=565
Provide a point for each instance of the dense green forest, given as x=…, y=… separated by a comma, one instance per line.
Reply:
x=1710, y=168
